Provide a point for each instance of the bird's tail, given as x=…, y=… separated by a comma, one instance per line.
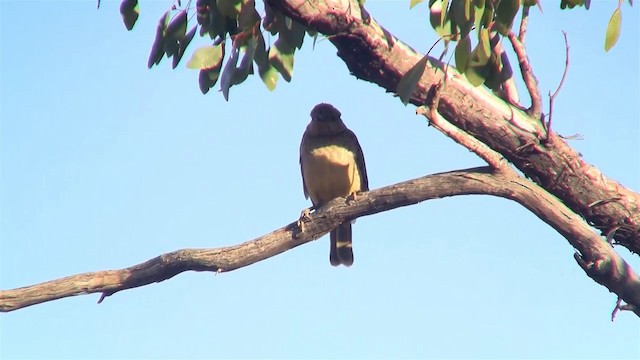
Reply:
x=341, y=251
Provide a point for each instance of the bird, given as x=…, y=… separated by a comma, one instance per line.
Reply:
x=332, y=165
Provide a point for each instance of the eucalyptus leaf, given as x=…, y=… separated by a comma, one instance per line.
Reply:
x=206, y=57
x=130, y=10
x=613, y=30
x=409, y=80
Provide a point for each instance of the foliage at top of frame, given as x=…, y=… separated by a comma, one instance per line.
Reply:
x=234, y=21
x=476, y=26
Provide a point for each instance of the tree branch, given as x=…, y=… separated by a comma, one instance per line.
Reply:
x=495, y=160
x=535, y=111
x=595, y=256
x=371, y=53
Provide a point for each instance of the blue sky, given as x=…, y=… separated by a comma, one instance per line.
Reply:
x=105, y=164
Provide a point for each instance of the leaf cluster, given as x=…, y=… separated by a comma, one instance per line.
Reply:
x=227, y=23
x=477, y=27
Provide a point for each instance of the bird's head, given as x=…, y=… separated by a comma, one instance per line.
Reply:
x=325, y=113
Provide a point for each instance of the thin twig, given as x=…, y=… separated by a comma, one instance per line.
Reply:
x=527, y=75
x=494, y=159
x=615, y=309
x=523, y=24
x=564, y=76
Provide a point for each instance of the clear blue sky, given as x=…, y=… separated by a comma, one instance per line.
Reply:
x=106, y=164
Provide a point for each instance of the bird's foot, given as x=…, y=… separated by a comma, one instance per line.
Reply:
x=352, y=197
x=304, y=217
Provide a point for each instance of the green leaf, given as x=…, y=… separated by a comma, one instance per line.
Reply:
x=484, y=46
x=461, y=13
x=206, y=57
x=476, y=74
x=414, y=3
x=463, y=53
x=444, y=12
x=613, y=30
x=129, y=9
x=487, y=15
x=269, y=77
x=410, y=79
x=478, y=6
x=439, y=18
x=293, y=34
x=505, y=13
x=268, y=73
x=281, y=58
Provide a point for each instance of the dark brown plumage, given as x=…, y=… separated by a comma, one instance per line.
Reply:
x=332, y=165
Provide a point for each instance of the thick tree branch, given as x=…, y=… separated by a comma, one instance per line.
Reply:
x=373, y=54
x=595, y=256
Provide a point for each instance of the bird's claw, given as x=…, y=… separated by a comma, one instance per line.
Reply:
x=352, y=197
x=304, y=217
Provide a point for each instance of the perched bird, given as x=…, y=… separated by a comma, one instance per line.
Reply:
x=332, y=166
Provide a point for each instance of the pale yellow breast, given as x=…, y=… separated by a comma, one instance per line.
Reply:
x=329, y=172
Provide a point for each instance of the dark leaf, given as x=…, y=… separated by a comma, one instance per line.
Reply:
x=129, y=9
x=226, y=80
x=293, y=34
x=505, y=13
x=177, y=28
x=157, y=49
x=183, y=43
x=229, y=8
x=410, y=79
x=248, y=16
x=463, y=53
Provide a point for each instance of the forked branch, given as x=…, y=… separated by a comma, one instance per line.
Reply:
x=373, y=54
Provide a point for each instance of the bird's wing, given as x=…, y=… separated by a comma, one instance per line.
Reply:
x=359, y=156
x=304, y=186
